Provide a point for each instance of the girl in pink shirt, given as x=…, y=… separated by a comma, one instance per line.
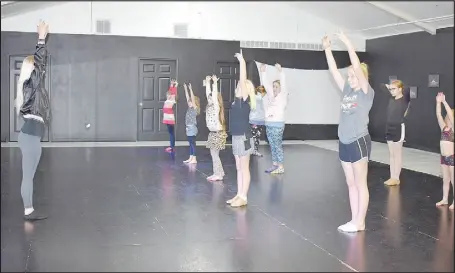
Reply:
x=168, y=113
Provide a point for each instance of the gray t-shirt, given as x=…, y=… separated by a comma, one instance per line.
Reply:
x=355, y=107
x=191, y=122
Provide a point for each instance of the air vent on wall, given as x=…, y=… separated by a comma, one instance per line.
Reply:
x=280, y=45
x=103, y=26
x=181, y=30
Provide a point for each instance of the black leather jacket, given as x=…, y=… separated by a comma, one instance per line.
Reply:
x=36, y=98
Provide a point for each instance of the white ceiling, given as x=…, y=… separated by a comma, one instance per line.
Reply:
x=366, y=19
x=12, y=8
x=355, y=16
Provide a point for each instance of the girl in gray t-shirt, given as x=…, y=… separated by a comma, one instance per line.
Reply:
x=191, y=122
x=354, y=140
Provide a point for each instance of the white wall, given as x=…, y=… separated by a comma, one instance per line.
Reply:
x=259, y=21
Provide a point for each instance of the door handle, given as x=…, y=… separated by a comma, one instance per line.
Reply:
x=140, y=104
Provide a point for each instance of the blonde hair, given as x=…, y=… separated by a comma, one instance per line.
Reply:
x=364, y=68
x=261, y=89
x=26, y=72
x=397, y=83
x=197, y=105
x=251, y=93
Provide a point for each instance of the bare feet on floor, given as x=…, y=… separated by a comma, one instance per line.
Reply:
x=214, y=177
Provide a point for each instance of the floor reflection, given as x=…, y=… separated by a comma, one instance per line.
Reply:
x=443, y=254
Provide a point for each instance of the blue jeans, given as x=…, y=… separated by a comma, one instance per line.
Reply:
x=170, y=129
x=275, y=137
x=192, y=141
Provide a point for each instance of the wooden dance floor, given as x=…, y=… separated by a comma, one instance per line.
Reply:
x=140, y=209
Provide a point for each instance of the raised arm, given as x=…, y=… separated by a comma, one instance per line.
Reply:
x=215, y=91
x=173, y=89
x=448, y=109
x=441, y=122
x=242, y=78
x=41, y=49
x=186, y=93
x=40, y=56
x=363, y=81
x=266, y=82
x=207, y=87
x=332, y=64
x=283, y=86
x=192, y=95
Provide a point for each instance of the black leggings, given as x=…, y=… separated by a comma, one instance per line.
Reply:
x=256, y=130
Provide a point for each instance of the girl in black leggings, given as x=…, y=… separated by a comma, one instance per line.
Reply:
x=32, y=104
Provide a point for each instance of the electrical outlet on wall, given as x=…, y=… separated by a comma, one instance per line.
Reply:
x=433, y=80
x=413, y=92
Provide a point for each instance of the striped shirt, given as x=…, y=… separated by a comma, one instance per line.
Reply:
x=168, y=112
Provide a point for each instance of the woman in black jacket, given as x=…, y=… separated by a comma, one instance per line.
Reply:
x=32, y=104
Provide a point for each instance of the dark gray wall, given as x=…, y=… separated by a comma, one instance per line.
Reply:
x=412, y=57
x=299, y=59
x=94, y=79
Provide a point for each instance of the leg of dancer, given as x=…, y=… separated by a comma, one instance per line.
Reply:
x=257, y=119
x=256, y=132
x=216, y=124
x=168, y=113
x=275, y=105
x=35, y=115
x=242, y=140
x=354, y=139
x=276, y=140
x=447, y=146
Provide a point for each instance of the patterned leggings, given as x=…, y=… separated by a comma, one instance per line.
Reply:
x=275, y=136
x=217, y=166
x=256, y=130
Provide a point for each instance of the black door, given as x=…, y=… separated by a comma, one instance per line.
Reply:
x=228, y=73
x=15, y=121
x=154, y=79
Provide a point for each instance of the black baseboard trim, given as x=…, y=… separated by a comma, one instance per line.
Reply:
x=408, y=145
x=305, y=132
x=310, y=132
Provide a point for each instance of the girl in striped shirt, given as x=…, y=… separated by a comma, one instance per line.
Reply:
x=168, y=113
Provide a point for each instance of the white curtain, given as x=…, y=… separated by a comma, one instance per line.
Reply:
x=313, y=98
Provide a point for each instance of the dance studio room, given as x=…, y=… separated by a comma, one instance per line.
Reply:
x=216, y=136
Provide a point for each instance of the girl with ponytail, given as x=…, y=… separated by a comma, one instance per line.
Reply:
x=242, y=139
x=216, y=124
x=32, y=104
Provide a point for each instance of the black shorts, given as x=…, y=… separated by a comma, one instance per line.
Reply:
x=395, y=133
x=354, y=151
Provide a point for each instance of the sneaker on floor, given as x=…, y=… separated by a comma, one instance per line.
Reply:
x=169, y=149
x=239, y=202
x=392, y=182
x=232, y=199
x=271, y=169
x=34, y=216
x=348, y=227
x=256, y=153
x=215, y=178
x=278, y=170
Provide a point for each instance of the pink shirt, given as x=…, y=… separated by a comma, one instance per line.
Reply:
x=275, y=106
